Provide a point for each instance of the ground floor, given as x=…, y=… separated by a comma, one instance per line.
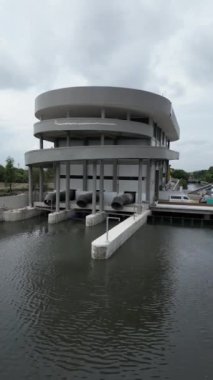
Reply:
x=142, y=178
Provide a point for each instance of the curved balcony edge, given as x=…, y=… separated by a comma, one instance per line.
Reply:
x=109, y=152
x=76, y=125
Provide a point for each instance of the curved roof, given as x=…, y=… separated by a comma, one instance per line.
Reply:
x=82, y=101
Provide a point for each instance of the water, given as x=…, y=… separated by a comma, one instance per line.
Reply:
x=144, y=314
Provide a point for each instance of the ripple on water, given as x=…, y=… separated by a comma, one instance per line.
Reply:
x=127, y=318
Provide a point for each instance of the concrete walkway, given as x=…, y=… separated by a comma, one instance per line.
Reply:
x=102, y=248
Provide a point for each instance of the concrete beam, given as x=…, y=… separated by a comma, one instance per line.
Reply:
x=102, y=248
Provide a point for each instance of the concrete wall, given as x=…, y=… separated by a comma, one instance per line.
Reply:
x=123, y=182
x=14, y=201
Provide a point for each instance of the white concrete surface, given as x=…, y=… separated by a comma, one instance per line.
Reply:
x=93, y=219
x=188, y=207
x=10, y=202
x=57, y=217
x=102, y=248
x=21, y=214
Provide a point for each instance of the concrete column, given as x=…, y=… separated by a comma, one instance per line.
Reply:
x=57, y=180
x=101, y=201
x=30, y=185
x=115, y=176
x=103, y=114
x=85, y=175
x=94, y=170
x=140, y=166
x=148, y=179
x=68, y=186
x=68, y=139
x=41, y=143
x=41, y=184
x=167, y=172
x=102, y=139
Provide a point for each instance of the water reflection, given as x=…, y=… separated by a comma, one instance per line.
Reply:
x=67, y=316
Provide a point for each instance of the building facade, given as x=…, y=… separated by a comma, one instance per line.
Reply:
x=105, y=140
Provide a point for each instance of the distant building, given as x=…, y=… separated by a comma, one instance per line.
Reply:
x=106, y=139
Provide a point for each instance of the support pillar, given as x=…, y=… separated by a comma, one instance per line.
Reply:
x=68, y=186
x=30, y=186
x=68, y=139
x=167, y=172
x=140, y=166
x=41, y=184
x=102, y=139
x=57, y=180
x=94, y=170
x=103, y=113
x=115, y=176
x=85, y=175
x=101, y=199
x=148, y=178
x=41, y=143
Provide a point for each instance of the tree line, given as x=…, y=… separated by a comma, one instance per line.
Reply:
x=10, y=174
x=199, y=175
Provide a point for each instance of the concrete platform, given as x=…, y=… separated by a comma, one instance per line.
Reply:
x=93, y=219
x=20, y=214
x=103, y=249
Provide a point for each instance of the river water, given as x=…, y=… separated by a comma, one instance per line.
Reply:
x=147, y=313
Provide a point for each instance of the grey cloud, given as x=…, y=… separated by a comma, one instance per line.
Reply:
x=198, y=55
x=12, y=74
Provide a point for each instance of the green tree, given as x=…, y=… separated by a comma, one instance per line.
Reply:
x=180, y=174
x=9, y=172
x=21, y=175
x=2, y=173
x=183, y=183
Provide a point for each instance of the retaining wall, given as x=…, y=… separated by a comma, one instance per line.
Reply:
x=11, y=202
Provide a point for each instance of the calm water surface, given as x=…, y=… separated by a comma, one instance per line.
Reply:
x=147, y=313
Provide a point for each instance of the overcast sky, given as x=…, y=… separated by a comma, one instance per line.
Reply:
x=163, y=46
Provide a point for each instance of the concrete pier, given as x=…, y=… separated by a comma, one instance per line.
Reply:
x=93, y=219
x=21, y=214
x=103, y=249
x=59, y=216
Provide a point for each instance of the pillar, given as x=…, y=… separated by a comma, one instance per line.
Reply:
x=57, y=180
x=148, y=178
x=67, y=186
x=41, y=184
x=68, y=139
x=41, y=143
x=85, y=175
x=167, y=172
x=101, y=201
x=30, y=186
x=140, y=166
x=103, y=114
x=115, y=176
x=94, y=167
x=102, y=139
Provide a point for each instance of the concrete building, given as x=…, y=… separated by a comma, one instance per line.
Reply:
x=106, y=141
